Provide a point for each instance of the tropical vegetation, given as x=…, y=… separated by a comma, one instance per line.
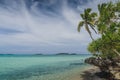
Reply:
x=106, y=23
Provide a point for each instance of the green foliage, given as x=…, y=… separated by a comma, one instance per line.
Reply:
x=107, y=24
x=88, y=21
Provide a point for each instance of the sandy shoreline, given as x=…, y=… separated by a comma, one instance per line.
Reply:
x=87, y=74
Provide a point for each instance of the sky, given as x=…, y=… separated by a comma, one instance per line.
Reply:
x=43, y=26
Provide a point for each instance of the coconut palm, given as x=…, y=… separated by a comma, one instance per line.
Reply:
x=107, y=25
x=106, y=16
x=88, y=21
x=106, y=48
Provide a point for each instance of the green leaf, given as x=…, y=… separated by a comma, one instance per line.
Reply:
x=80, y=25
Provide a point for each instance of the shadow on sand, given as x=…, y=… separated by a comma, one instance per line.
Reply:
x=95, y=74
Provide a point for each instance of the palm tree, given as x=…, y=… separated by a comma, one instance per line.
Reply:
x=107, y=47
x=106, y=24
x=106, y=16
x=88, y=21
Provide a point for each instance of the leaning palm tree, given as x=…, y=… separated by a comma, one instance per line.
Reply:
x=88, y=21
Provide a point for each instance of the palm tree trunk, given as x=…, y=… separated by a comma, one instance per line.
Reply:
x=91, y=37
x=87, y=28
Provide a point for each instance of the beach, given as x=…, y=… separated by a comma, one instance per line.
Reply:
x=90, y=74
x=87, y=73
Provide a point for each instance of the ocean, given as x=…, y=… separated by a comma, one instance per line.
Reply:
x=41, y=67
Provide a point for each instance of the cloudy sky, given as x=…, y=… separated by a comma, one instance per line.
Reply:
x=43, y=26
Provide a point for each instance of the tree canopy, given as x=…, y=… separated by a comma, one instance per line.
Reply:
x=105, y=22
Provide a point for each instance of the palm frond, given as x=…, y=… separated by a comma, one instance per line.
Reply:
x=88, y=10
x=80, y=25
x=82, y=15
x=93, y=14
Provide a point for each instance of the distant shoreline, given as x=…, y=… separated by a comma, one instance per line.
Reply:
x=46, y=54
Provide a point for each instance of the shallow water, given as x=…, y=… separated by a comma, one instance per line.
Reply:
x=40, y=67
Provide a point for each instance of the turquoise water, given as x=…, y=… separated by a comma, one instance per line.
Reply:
x=41, y=67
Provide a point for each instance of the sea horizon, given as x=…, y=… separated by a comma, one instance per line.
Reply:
x=34, y=67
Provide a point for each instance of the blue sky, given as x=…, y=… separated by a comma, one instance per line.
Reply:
x=43, y=26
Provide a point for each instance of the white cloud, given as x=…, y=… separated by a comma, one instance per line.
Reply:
x=43, y=31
